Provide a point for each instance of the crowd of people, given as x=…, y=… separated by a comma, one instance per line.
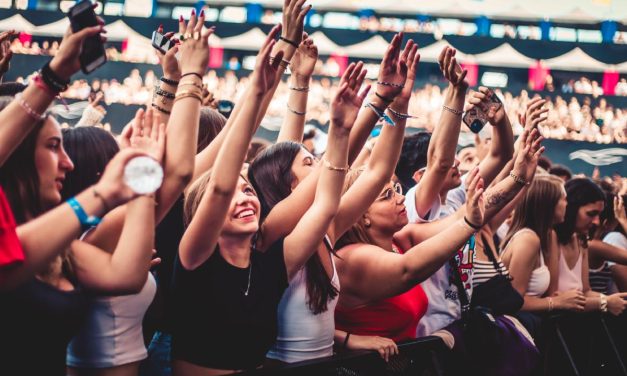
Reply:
x=248, y=257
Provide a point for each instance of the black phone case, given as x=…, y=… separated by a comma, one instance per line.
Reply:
x=161, y=43
x=84, y=59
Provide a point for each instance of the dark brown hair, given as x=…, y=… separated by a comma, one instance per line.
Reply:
x=271, y=176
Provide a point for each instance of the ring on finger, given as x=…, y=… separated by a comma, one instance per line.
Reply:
x=196, y=35
x=187, y=36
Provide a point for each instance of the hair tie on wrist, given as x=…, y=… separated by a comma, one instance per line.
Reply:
x=382, y=97
x=289, y=41
x=192, y=74
x=474, y=227
x=346, y=340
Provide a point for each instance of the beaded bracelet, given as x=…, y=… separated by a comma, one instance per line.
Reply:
x=296, y=112
x=169, y=81
x=383, y=83
x=28, y=109
x=163, y=93
x=188, y=94
x=161, y=109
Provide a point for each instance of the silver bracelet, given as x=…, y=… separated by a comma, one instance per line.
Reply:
x=296, y=112
x=383, y=83
x=452, y=110
x=400, y=115
x=380, y=114
x=303, y=89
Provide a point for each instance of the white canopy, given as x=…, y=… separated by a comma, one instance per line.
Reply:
x=325, y=45
x=250, y=40
x=504, y=55
x=372, y=48
x=576, y=60
x=17, y=23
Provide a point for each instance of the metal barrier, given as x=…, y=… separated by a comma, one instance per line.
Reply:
x=422, y=356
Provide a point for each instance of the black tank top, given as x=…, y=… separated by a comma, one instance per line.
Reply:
x=37, y=321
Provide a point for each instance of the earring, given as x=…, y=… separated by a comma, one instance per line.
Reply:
x=366, y=222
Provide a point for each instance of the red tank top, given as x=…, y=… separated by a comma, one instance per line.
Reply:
x=395, y=318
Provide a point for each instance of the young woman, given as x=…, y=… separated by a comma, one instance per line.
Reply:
x=585, y=204
x=306, y=323
x=527, y=245
x=224, y=288
x=111, y=342
x=42, y=314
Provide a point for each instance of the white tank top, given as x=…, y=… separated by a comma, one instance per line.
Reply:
x=112, y=334
x=540, y=276
x=303, y=335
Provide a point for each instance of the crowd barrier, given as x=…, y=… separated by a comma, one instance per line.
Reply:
x=573, y=344
x=423, y=356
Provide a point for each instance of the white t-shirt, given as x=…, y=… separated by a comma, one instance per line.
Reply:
x=614, y=238
x=444, y=306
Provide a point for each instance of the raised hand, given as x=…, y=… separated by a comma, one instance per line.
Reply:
x=208, y=99
x=535, y=114
x=481, y=99
x=527, y=159
x=304, y=60
x=5, y=51
x=147, y=134
x=293, y=20
x=168, y=61
x=475, y=206
x=451, y=69
x=348, y=100
x=411, y=59
x=393, y=70
x=265, y=74
x=619, y=211
x=65, y=63
x=616, y=303
x=111, y=185
x=195, y=46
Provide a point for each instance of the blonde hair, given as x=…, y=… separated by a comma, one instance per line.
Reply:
x=358, y=232
x=536, y=210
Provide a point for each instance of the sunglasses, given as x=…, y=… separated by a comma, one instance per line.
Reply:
x=390, y=193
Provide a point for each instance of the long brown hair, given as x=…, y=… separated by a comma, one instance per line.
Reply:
x=537, y=209
x=271, y=175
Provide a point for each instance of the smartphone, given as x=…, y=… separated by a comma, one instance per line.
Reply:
x=161, y=43
x=476, y=117
x=93, y=54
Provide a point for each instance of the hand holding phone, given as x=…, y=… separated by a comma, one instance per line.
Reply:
x=93, y=54
x=161, y=43
x=478, y=115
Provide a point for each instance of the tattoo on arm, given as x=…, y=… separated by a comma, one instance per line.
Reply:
x=497, y=200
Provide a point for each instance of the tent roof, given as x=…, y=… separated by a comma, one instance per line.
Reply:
x=250, y=40
x=576, y=60
x=504, y=55
x=17, y=23
x=372, y=48
x=325, y=45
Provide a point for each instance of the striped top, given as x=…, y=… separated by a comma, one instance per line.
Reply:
x=601, y=278
x=484, y=270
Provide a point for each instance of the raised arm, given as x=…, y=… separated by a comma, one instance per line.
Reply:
x=125, y=270
x=441, y=152
x=5, y=51
x=381, y=164
x=200, y=238
x=389, y=85
x=502, y=146
x=19, y=117
x=376, y=275
x=163, y=96
x=302, y=67
x=291, y=33
x=303, y=241
x=288, y=212
x=50, y=234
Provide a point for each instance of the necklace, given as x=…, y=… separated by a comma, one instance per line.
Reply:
x=250, y=272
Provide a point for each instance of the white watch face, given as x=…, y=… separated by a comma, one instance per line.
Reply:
x=143, y=175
